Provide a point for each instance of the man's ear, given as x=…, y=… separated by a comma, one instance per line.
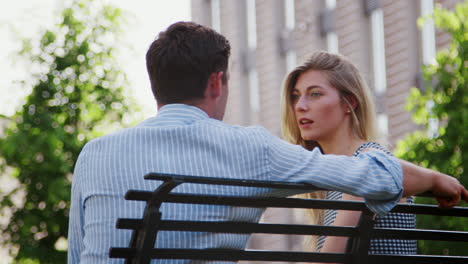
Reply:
x=215, y=84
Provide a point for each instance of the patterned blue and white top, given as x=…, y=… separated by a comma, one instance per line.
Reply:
x=391, y=220
x=182, y=139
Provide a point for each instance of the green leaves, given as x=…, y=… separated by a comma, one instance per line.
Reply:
x=443, y=110
x=75, y=93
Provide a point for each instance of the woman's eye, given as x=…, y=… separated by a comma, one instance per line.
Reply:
x=314, y=94
x=294, y=97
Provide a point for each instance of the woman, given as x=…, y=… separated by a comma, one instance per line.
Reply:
x=327, y=104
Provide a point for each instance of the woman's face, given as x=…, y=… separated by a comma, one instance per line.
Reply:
x=320, y=113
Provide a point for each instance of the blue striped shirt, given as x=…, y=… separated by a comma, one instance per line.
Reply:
x=182, y=139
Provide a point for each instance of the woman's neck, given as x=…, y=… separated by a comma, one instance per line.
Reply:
x=344, y=144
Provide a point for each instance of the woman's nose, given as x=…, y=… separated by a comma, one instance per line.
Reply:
x=301, y=105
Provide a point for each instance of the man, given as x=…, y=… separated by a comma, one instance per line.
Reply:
x=188, y=69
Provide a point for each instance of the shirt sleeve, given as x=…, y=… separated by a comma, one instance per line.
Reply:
x=75, y=224
x=373, y=175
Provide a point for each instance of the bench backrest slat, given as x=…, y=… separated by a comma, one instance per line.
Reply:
x=141, y=248
x=279, y=202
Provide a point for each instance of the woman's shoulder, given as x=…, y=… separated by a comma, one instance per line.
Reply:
x=373, y=145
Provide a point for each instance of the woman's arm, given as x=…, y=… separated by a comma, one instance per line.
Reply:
x=335, y=244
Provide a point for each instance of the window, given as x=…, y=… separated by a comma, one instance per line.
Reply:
x=378, y=50
x=215, y=15
x=374, y=10
x=252, y=46
x=290, y=24
x=428, y=33
x=332, y=37
x=428, y=56
x=382, y=124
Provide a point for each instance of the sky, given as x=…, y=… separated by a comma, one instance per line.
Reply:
x=25, y=18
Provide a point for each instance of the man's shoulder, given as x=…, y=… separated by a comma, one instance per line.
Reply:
x=240, y=128
x=115, y=136
x=207, y=128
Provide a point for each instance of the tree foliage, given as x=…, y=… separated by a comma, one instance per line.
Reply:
x=444, y=102
x=76, y=92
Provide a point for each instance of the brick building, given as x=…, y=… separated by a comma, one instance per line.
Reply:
x=270, y=37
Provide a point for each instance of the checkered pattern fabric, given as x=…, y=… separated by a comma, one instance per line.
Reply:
x=390, y=220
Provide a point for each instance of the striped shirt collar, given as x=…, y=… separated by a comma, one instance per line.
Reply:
x=182, y=112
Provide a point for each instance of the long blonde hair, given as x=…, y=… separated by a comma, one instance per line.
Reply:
x=345, y=77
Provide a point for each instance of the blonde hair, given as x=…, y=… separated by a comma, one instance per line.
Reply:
x=345, y=77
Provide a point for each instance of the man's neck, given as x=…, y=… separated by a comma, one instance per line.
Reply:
x=198, y=103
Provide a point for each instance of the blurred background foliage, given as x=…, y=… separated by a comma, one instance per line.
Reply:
x=442, y=108
x=77, y=93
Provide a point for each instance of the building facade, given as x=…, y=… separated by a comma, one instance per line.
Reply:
x=270, y=37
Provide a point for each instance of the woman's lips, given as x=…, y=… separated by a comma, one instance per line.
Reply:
x=305, y=122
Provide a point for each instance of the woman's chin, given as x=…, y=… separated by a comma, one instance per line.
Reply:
x=308, y=137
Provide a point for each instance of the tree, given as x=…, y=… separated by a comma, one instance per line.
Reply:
x=76, y=93
x=444, y=102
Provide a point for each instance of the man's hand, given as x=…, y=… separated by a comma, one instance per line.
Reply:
x=448, y=190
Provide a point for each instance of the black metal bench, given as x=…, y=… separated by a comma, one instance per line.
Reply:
x=141, y=248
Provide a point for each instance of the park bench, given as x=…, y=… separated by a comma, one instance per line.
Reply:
x=141, y=247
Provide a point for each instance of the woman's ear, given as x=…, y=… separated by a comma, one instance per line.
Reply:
x=351, y=100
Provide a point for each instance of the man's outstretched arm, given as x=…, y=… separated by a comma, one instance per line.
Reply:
x=447, y=190
x=379, y=178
